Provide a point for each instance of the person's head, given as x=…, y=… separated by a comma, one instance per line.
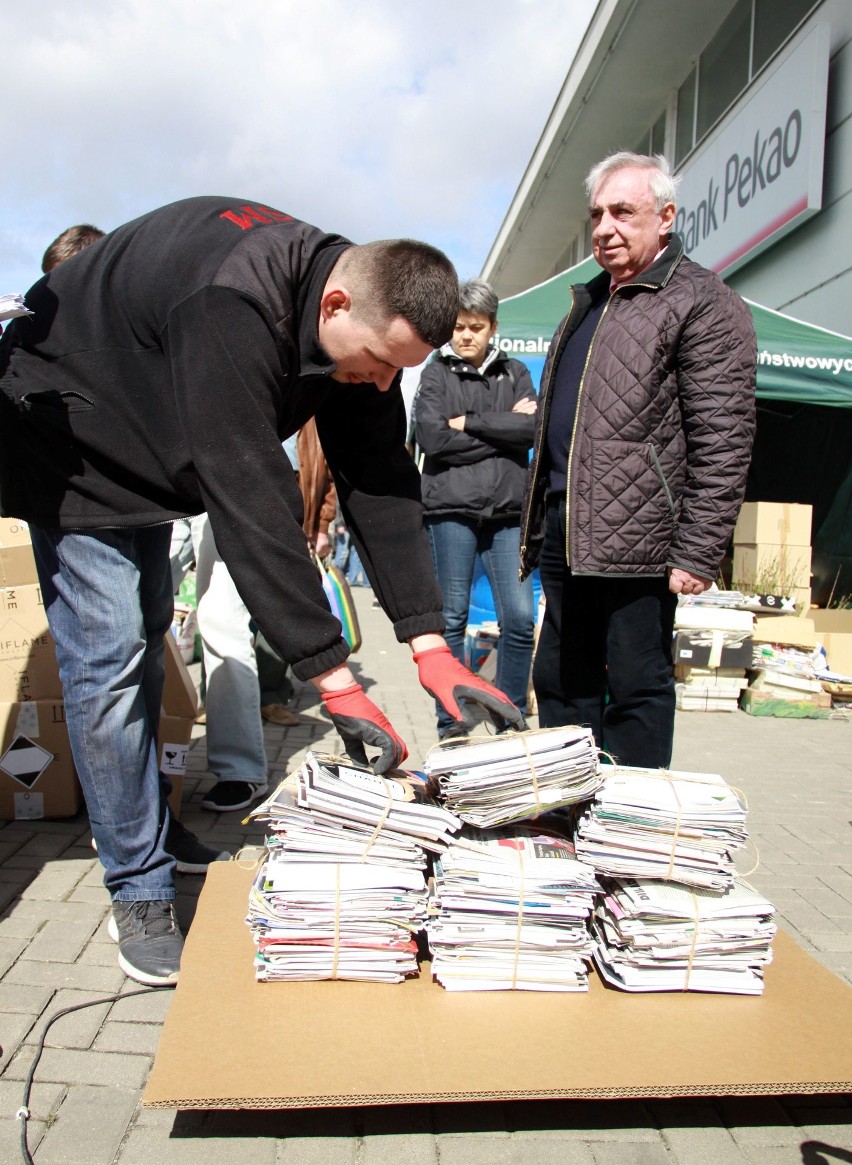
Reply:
x=67, y=244
x=632, y=208
x=385, y=306
x=476, y=322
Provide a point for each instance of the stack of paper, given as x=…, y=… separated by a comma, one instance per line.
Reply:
x=509, y=910
x=342, y=893
x=653, y=936
x=653, y=823
x=709, y=689
x=516, y=776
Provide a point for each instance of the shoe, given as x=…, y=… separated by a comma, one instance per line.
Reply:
x=191, y=855
x=228, y=795
x=149, y=941
x=278, y=714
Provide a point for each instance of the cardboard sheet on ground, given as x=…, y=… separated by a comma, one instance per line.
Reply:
x=230, y=1042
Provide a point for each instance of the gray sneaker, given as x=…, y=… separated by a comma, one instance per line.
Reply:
x=149, y=941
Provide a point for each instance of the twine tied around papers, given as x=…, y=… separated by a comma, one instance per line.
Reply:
x=534, y=776
x=518, y=929
x=250, y=863
x=336, y=920
x=381, y=823
x=696, y=907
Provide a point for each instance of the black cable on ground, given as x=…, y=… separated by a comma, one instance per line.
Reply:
x=23, y=1113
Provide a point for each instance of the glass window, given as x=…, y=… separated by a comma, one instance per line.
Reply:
x=774, y=20
x=658, y=135
x=723, y=67
x=685, y=115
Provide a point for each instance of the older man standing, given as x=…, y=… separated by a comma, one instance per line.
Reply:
x=645, y=427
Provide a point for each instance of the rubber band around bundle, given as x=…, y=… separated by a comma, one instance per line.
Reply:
x=521, y=895
x=385, y=814
x=336, y=920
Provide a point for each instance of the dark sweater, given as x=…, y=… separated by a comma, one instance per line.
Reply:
x=157, y=378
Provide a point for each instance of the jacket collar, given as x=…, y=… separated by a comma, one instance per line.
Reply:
x=313, y=359
x=661, y=270
x=451, y=356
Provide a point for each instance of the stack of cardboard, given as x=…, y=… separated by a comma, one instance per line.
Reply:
x=772, y=553
x=712, y=650
x=833, y=629
x=783, y=679
x=37, y=777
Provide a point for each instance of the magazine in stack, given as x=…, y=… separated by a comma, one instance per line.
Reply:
x=342, y=892
x=656, y=823
x=509, y=911
x=655, y=936
x=496, y=781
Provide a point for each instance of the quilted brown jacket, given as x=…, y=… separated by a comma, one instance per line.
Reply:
x=663, y=429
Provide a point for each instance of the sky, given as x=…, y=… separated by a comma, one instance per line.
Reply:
x=372, y=118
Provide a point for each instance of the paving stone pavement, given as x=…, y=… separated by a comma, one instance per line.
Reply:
x=85, y=1104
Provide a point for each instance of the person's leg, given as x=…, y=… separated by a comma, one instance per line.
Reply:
x=638, y=721
x=181, y=553
x=453, y=542
x=513, y=601
x=235, y=751
x=569, y=671
x=109, y=603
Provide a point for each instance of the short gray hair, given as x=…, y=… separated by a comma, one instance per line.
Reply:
x=478, y=297
x=663, y=184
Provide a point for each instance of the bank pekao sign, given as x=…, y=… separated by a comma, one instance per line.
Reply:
x=759, y=175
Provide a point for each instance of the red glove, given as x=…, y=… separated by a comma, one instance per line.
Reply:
x=359, y=721
x=449, y=681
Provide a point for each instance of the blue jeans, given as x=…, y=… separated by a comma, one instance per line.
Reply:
x=108, y=596
x=455, y=545
x=604, y=655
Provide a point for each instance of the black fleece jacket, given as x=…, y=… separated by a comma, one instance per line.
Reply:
x=157, y=378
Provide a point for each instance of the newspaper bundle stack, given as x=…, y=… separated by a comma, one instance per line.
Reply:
x=342, y=893
x=709, y=689
x=516, y=776
x=12, y=305
x=509, y=911
x=653, y=823
x=653, y=936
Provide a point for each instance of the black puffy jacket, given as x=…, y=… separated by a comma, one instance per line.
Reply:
x=664, y=425
x=478, y=472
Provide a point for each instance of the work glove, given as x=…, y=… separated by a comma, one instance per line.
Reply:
x=360, y=722
x=449, y=681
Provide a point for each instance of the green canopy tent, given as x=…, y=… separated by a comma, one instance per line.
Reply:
x=804, y=395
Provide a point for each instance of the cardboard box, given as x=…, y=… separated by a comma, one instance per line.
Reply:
x=17, y=564
x=479, y=641
x=801, y=707
x=785, y=630
x=28, y=667
x=297, y=1045
x=716, y=649
x=780, y=523
x=173, y=737
x=766, y=567
x=833, y=619
x=838, y=650
x=37, y=777
x=179, y=695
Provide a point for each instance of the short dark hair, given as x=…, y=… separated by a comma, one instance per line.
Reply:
x=403, y=277
x=67, y=244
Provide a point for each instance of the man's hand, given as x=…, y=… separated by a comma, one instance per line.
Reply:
x=360, y=722
x=456, y=423
x=525, y=406
x=448, y=681
x=323, y=545
x=684, y=582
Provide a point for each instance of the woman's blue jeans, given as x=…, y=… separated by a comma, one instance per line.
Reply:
x=109, y=602
x=455, y=543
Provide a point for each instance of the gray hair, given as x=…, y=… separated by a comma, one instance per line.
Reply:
x=479, y=298
x=663, y=184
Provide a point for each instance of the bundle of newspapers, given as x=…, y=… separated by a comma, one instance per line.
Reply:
x=516, y=776
x=342, y=893
x=655, y=936
x=654, y=823
x=509, y=910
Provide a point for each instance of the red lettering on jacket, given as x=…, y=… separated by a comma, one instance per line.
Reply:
x=251, y=215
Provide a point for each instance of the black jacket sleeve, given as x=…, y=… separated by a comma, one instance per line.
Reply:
x=228, y=376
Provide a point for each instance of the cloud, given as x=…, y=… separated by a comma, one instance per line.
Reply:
x=372, y=119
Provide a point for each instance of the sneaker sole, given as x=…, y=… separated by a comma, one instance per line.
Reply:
x=143, y=977
x=211, y=805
